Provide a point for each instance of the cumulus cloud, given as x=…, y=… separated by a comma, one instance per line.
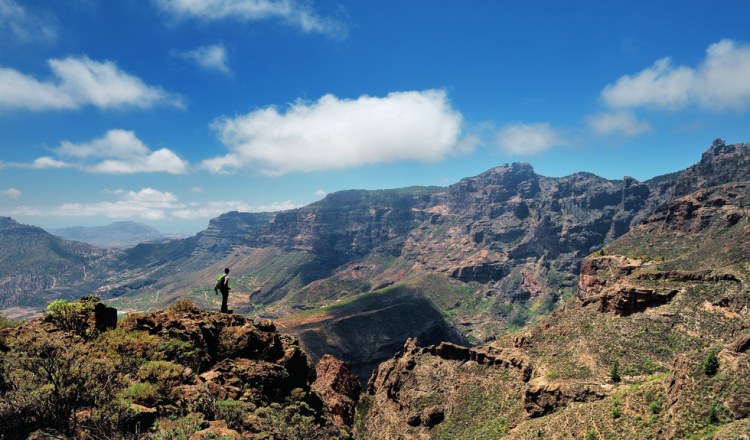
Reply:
x=721, y=81
x=623, y=122
x=80, y=81
x=117, y=152
x=10, y=193
x=26, y=26
x=208, y=57
x=294, y=13
x=147, y=203
x=196, y=189
x=518, y=139
x=320, y=193
x=212, y=209
x=334, y=133
x=125, y=153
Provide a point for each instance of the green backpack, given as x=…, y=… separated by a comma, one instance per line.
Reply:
x=219, y=282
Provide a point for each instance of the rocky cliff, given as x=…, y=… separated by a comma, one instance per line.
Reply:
x=177, y=373
x=630, y=357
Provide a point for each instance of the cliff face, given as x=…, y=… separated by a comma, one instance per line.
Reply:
x=629, y=358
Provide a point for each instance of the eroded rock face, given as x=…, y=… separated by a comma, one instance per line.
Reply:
x=606, y=280
x=339, y=388
x=542, y=398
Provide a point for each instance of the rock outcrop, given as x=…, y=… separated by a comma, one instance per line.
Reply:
x=221, y=375
x=339, y=388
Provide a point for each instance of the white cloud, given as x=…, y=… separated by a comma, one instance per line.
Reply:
x=334, y=133
x=26, y=26
x=213, y=209
x=209, y=57
x=621, y=121
x=126, y=155
x=122, y=151
x=10, y=193
x=147, y=203
x=292, y=12
x=518, y=139
x=721, y=81
x=80, y=81
x=320, y=193
x=196, y=189
x=46, y=162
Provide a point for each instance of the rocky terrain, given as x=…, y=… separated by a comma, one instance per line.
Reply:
x=176, y=373
x=655, y=345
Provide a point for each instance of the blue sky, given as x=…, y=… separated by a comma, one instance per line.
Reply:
x=170, y=112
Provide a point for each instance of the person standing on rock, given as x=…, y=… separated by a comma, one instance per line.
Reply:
x=224, y=289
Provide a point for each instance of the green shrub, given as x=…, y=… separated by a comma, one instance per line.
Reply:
x=591, y=435
x=6, y=322
x=551, y=375
x=185, y=353
x=231, y=411
x=133, y=347
x=614, y=373
x=163, y=374
x=144, y=393
x=73, y=317
x=616, y=412
x=713, y=416
x=183, y=305
x=654, y=407
x=711, y=365
x=52, y=380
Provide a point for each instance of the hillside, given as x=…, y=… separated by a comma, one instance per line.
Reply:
x=35, y=266
x=119, y=234
x=176, y=373
x=628, y=358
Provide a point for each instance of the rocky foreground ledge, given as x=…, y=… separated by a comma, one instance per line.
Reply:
x=182, y=372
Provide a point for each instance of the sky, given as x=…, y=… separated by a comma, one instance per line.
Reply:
x=172, y=112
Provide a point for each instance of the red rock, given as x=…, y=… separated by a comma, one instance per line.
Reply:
x=339, y=388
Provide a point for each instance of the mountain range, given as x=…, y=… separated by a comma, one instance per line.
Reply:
x=115, y=235
x=513, y=305
x=357, y=272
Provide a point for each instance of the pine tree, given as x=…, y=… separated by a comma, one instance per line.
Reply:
x=614, y=373
x=713, y=416
x=711, y=366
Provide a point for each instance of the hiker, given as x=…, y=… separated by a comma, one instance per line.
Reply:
x=223, y=286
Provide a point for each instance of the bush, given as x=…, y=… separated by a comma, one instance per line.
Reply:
x=185, y=353
x=133, y=347
x=52, y=380
x=146, y=394
x=183, y=305
x=163, y=374
x=616, y=412
x=231, y=411
x=713, y=416
x=614, y=373
x=73, y=317
x=654, y=407
x=591, y=435
x=711, y=365
x=6, y=322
